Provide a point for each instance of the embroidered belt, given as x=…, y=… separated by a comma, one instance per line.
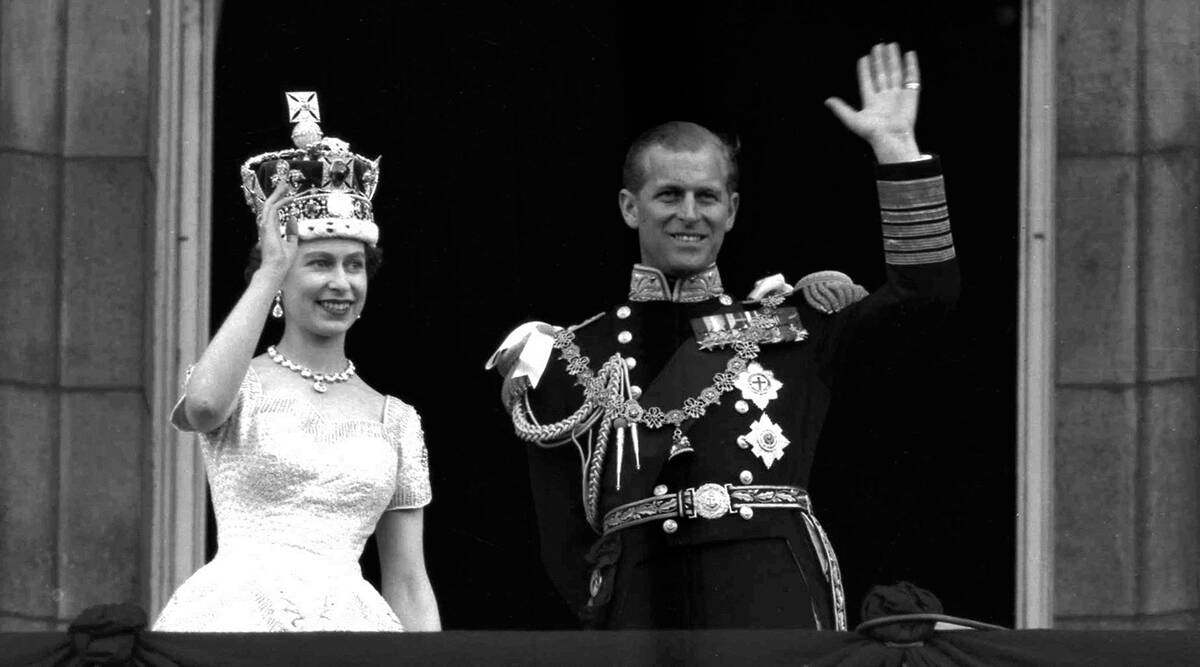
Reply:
x=708, y=501
x=713, y=501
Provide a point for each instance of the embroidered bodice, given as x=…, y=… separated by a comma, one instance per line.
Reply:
x=297, y=494
x=282, y=473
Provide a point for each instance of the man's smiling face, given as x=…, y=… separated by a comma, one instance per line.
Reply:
x=682, y=210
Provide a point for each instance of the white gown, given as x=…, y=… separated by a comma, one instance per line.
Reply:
x=296, y=497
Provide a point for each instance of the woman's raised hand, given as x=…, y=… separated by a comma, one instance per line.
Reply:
x=278, y=250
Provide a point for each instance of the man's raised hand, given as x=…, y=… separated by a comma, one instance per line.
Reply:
x=890, y=87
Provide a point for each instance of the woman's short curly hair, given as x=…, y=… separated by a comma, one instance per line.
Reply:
x=374, y=261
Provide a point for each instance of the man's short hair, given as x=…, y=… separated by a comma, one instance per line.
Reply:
x=677, y=135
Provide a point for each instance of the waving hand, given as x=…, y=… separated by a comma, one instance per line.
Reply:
x=890, y=87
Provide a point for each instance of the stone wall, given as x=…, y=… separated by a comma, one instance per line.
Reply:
x=75, y=237
x=1128, y=216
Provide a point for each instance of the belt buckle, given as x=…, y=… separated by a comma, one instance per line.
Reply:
x=711, y=501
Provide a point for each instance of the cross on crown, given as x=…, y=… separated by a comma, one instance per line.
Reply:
x=303, y=106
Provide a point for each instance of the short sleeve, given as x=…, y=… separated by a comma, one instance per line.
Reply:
x=412, y=459
x=248, y=394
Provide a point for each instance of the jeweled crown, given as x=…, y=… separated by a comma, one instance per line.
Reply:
x=329, y=187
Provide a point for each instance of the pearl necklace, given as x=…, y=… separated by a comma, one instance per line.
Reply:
x=319, y=379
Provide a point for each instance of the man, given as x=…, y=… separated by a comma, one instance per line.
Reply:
x=675, y=432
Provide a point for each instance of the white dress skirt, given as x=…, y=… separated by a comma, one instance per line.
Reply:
x=296, y=497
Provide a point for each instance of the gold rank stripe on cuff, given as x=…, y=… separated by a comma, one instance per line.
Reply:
x=917, y=216
x=916, y=221
x=916, y=230
x=909, y=194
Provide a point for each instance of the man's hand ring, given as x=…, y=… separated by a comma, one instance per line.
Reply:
x=912, y=85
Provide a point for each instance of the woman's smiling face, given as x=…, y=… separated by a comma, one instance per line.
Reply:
x=326, y=288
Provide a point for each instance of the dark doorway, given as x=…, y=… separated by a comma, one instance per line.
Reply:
x=502, y=126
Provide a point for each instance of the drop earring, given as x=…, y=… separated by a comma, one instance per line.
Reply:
x=277, y=309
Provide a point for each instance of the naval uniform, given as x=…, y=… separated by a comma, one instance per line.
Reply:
x=673, y=435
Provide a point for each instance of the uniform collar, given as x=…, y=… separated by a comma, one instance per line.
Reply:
x=649, y=284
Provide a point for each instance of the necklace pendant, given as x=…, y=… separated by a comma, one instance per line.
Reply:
x=320, y=380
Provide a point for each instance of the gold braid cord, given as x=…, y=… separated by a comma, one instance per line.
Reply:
x=607, y=400
x=547, y=434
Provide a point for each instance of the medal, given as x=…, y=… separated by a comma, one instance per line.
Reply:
x=758, y=385
x=765, y=440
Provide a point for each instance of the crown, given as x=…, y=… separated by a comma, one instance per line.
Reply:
x=329, y=188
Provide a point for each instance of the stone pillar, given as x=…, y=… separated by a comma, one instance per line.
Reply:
x=1128, y=215
x=76, y=230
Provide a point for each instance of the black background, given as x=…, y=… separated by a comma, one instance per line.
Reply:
x=502, y=127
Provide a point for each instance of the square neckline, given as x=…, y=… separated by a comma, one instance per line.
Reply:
x=311, y=408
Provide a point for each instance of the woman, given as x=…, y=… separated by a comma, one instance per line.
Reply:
x=304, y=458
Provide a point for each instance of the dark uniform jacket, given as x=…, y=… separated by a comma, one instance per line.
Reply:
x=763, y=568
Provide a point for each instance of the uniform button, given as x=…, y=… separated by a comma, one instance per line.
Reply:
x=743, y=442
x=623, y=312
x=742, y=407
x=624, y=337
x=630, y=362
x=746, y=512
x=746, y=477
x=660, y=490
x=726, y=300
x=635, y=391
x=670, y=526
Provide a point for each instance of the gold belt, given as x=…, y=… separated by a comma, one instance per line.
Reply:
x=707, y=501
x=713, y=501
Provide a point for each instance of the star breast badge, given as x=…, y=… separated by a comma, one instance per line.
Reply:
x=766, y=440
x=758, y=385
